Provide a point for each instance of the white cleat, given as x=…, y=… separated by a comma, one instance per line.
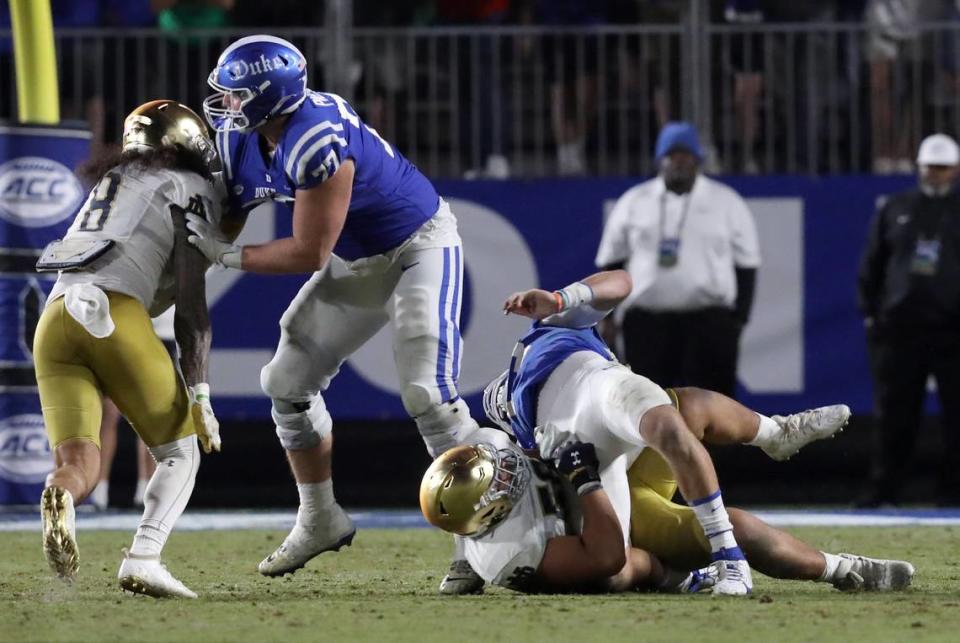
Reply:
x=59, y=532
x=800, y=429
x=862, y=574
x=148, y=576
x=698, y=580
x=461, y=579
x=335, y=530
x=733, y=578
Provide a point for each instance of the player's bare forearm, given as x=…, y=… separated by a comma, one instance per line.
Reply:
x=609, y=287
x=590, y=559
x=284, y=256
x=319, y=214
x=191, y=322
x=642, y=571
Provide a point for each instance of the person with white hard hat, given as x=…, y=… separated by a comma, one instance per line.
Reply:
x=909, y=295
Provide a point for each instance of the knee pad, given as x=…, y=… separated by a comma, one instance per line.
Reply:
x=300, y=427
x=444, y=426
x=418, y=399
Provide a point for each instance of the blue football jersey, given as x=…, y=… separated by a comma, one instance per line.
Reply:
x=546, y=347
x=391, y=198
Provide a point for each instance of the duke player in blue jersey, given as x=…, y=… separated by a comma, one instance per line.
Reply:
x=382, y=246
x=564, y=385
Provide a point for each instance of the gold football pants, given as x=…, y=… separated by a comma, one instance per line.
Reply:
x=131, y=366
x=657, y=524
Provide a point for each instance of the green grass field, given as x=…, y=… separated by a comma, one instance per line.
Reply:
x=384, y=589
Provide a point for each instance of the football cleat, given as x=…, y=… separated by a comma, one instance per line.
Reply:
x=336, y=530
x=59, y=532
x=859, y=573
x=147, y=575
x=461, y=579
x=699, y=580
x=800, y=429
x=733, y=578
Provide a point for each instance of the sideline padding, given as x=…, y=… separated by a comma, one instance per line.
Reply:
x=407, y=519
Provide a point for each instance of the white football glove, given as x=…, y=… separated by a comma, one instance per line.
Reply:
x=550, y=439
x=206, y=238
x=208, y=428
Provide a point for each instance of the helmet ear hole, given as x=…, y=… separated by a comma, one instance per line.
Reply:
x=443, y=510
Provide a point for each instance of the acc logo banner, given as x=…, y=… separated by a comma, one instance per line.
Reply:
x=25, y=455
x=36, y=192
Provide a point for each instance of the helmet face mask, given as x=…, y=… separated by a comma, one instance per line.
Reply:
x=469, y=489
x=495, y=404
x=224, y=108
x=167, y=123
x=256, y=78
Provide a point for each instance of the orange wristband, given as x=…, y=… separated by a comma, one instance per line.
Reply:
x=559, y=299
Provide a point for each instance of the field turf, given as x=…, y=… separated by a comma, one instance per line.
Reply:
x=384, y=589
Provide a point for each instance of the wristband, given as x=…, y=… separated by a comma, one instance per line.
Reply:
x=201, y=391
x=574, y=295
x=584, y=480
x=590, y=487
x=559, y=299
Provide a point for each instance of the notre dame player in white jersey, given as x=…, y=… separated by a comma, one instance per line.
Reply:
x=125, y=259
x=527, y=531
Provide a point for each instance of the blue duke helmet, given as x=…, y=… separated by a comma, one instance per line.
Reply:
x=256, y=78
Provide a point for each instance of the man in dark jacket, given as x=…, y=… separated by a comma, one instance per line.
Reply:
x=909, y=294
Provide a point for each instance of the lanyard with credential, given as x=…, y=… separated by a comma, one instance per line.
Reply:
x=668, y=253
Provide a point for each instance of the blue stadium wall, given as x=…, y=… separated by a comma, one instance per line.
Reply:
x=804, y=346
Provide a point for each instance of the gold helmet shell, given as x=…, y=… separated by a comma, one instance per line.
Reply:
x=471, y=488
x=167, y=123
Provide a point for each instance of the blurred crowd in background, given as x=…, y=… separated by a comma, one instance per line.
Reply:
x=567, y=87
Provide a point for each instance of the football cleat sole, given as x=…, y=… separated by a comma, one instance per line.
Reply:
x=346, y=541
x=59, y=545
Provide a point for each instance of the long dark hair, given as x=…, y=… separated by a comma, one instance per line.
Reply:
x=165, y=158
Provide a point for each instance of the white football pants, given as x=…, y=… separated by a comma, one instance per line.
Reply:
x=417, y=286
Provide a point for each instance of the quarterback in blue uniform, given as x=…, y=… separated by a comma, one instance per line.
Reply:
x=564, y=385
x=381, y=244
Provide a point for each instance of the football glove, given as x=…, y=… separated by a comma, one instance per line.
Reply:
x=578, y=462
x=208, y=428
x=206, y=238
x=550, y=439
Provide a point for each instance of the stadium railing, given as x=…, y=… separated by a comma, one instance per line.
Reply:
x=450, y=98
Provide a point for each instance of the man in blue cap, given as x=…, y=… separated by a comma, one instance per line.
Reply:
x=690, y=244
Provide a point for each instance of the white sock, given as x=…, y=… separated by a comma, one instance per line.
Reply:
x=767, y=431
x=459, y=547
x=101, y=494
x=315, y=497
x=830, y=569
x=139, y=491
x=167, y=494
x=717, y=527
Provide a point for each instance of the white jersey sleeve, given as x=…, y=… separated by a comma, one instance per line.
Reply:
x=510, y=554
x=132, y=207
x=582, y=316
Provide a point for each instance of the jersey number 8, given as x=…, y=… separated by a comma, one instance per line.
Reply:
x=95, y=214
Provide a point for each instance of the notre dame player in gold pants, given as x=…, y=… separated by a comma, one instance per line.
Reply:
x=124, y=259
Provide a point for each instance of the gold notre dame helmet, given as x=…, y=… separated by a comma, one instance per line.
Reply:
x=161, y=123
x=469, y=489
